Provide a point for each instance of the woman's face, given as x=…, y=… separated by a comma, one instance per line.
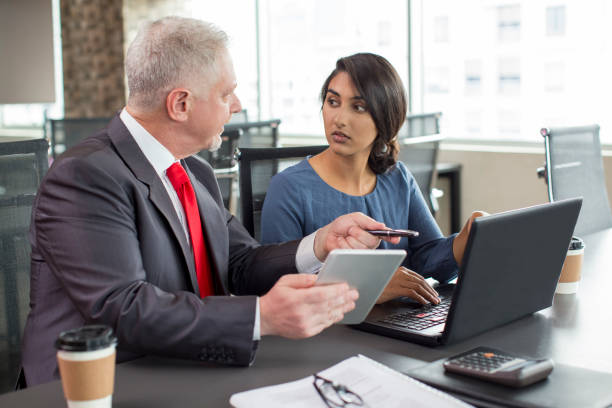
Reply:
x=349, y=127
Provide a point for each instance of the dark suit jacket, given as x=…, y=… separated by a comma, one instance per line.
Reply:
x=108, y=247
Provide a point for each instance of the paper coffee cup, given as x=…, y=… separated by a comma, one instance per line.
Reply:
x=86, y=359
x=572, y=268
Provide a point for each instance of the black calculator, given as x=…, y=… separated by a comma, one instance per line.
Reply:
x=497, y=366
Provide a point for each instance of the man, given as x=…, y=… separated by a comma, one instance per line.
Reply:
x=114, y=239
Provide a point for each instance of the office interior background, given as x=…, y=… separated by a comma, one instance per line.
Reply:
x=497, y=70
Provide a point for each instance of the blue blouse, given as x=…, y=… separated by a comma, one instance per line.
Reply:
x=298, y=202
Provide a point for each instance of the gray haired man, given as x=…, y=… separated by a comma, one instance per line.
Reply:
x=114, y=239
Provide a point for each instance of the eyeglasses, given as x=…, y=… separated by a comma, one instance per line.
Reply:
x=336, y=395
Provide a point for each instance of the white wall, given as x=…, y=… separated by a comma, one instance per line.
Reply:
x=500, y=181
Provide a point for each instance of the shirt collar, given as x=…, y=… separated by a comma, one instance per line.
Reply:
x=159, y=157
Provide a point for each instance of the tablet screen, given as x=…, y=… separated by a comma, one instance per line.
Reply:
x=367, y=270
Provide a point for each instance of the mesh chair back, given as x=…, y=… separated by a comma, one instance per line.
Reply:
x=22, y=167
x=65, y=133
x=574, y=168
x=257, y=134
x=257, y=167
x=224, y=165
x=420, y=155
x=238, y=133
x=420, y=124
x=223, y=158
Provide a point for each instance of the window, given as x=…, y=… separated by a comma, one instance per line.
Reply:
x=237, y=19
x=22, y=115
x=555, y=20
x=441, y=29
x=522, y=65
x=509, y=76
x=520, y=68
x=301, y=41
x=509, y=23
x=509, y=121
x=384, y=33
x=554, y=74
x=473, y=77
x=473, y=122
x=438, y=79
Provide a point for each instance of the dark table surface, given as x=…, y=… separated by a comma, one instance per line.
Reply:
x=575, y=331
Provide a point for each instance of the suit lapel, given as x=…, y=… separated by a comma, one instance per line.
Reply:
x=141, y=168
x=214, y=228
x=159, y=197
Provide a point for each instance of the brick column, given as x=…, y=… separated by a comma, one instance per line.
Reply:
x=92, y=54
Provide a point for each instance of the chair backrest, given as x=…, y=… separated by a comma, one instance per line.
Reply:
x=420, y=155
x=238, y=133
x=263, y=133
x=224, y=164
x=574, y=168
x=257, y=166
x=65, y=133
x=23, y=164
x=223, y=158
x=420, y=124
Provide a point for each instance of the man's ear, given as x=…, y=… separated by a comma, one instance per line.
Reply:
x=178, y=104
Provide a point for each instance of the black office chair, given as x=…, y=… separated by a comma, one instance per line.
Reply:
x=420, y=124
x=22, y=166
x=263, y=133
x=257, y=166
x=238, y=133
x=65, y=133
x=574, y=168
x=225, y=166
x=420, y=155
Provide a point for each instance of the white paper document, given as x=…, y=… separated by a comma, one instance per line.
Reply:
x=377, y=384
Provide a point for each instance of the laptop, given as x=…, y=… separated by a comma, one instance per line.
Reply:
x=510, y=269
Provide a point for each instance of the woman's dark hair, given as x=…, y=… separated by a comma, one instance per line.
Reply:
x=381, y=87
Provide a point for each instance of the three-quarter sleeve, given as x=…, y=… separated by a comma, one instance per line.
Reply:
x=282, y=214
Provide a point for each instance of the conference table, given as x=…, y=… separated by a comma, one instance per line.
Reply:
x=575, y=331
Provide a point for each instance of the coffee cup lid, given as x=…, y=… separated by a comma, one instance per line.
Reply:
x=576, y=243
x=86, y=338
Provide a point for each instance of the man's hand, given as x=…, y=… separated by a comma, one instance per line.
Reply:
x=348, y=232
x=460, y=240
x=295, y=308
x=409, y=283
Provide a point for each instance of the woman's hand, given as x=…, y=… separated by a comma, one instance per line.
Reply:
x=409, y=283
x=349, y=231
x=460, y=240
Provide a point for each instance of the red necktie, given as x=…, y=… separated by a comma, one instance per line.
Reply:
x=181, y=183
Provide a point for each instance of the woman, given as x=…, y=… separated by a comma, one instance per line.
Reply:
x=363, y=107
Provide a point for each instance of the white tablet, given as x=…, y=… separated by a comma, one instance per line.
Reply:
x=367, y=270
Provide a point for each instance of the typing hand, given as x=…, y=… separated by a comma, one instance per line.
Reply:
x=409, y=283
x=349, y=232
x=295, y=308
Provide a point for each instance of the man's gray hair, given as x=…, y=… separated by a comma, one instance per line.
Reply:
x=172, y=52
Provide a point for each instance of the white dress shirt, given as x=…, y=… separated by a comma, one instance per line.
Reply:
x=161, y=158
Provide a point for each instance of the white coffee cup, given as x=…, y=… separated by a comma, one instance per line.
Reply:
x=86, y=359
x=571, y=272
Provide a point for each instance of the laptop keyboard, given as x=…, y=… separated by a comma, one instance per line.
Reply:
x=421, y=318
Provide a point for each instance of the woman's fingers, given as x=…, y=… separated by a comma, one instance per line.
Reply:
x=421, y=290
